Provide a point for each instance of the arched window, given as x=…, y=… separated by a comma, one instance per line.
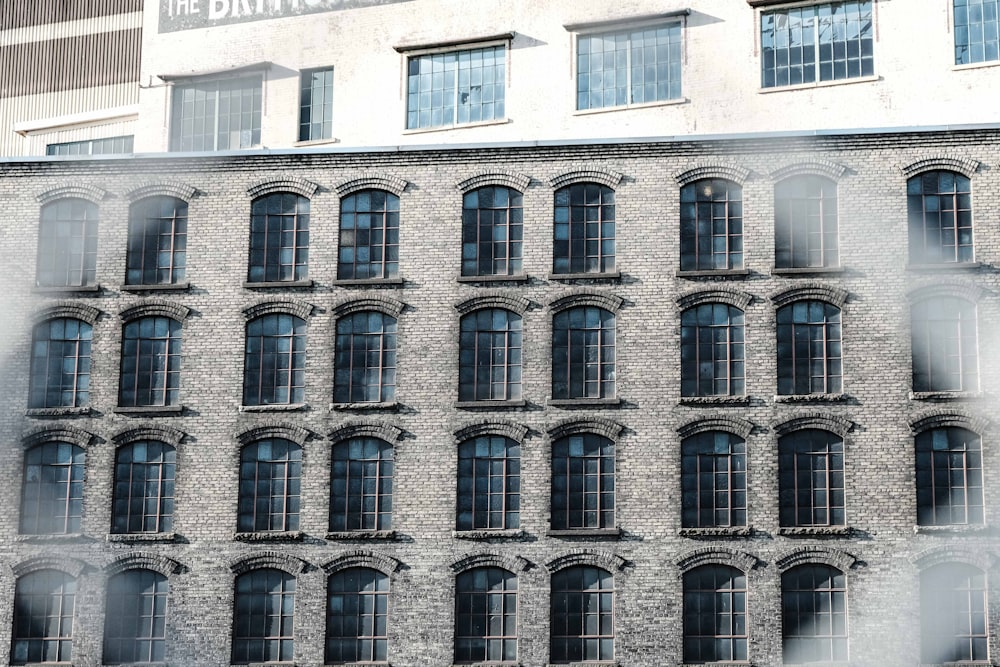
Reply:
x=52, y=491
x=357, y=615
x=485, y=616
x=67, y=244
x=814, y=614
x=270, y=480
x=492, y=232
x=809, y=349
x=805, y=223
x=151, y=362
x=135, y=618
x=275, y=360
x=144, y=488
x=361, y=485
x=949, y=477
x=43, y=618
x=365, y=358
x=714, y=480
x=583, y=353
x=279, y=238
x=811, y=479
x=715, y=614
x=263, y=617
x=713, y=351
x=582, y=615
x=489, y=483
x=157, y=241
x=369, y=236
x=954, y=615
x=945, y=347
x=939, y=204
x=490, y=356
x=60, y=364
x=711, y=225
x=583, y=482
x=584, y=229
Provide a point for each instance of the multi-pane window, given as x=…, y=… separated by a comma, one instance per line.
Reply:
x=52, y=490
x=275, y=360
x=715, y=615
x=809, y=349
x=369, y=236
x=811, y=479
x=628, y=67
x=939, y=207
x=144, y=488
x=107, y=146
x=365, y=358
x=43, y=618
x=279, y=238
x=216, y=115
x=67, y=244
x=583, y=482
x=805, y=223
x=954, y=623
x=711, y=225
x=361, y=485
x=485, y=616
x=489, y=366
x=583, y=353
x=456, y=87
x=814, y=614
x=977, y=31
x=357, y=614
x=582, y=615
x=584, y=229
x=263, y=617
x=135, y=618
x=157, y=241
x=60, y=364
x=714, y=480
x=151, y=362
x=316, y=104
x=270, y=481
x=492, y=231
x=945, y=350
x=949, y=477
x=489, y=483
x=713, y=351
x=821, y=42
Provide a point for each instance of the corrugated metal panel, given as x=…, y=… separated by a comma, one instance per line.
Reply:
x=23, y=13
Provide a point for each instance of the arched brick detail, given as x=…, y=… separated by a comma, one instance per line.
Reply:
x=824, y=421
x=269, y=559
x=841, y=560
x=366, y=429
x=943, y=418
x=273, y=429
x=813, y=291
x=491, y=559
x=515, y=303
x=64, y=433
x=603, y=176
x=393, y=184
x=508, y=179
x=296, y=184
x=729, y=424
x=610, y=302
x=167, y=188
x=717, y=556
x=387, y=565
x=74, y=567
x=89, y=192
x=601, y=426
x=966, y=292
x=383, y=304
x=508, y=429
x=167, y=434
x=156, y=308
x=75, y=311
x=736, y=173
x=825, y=168
x=299, y=309
x=603, y=559
x=143, y=560
x=963, y=165
x=733, y=297
x=953, y=554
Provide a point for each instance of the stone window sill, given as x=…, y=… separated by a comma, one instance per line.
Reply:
x=66, y=289
x=306, y=143
x=294, y=284
x=944, y=266
x=456, y=126
x=361, y=535
x=958, y=529
x=388, y=406
x=149, y=410
x=489, y=405
x=587, y=663
x=613, y=533
x=486, y=534
x=57, y=412
x=141, y=537
x=275, y=407
x=268, y=536
x=810, y=398
x=584, y=402
x=715, y=400
x=63, y=537
x=943, y=395
x=519, y=278
x=368, y=282
x=815, y=531
x=805, y=270
x=715, y=273
x=726, y=531
x=626, y=107
x=165, y=287
x=606, y=275
x=816, y=84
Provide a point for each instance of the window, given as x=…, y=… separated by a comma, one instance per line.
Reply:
x=953, y=615
x=939, y=204
x=263, y=617
x=279, y=238
x=714, y=480
x=270, y=480
x=43, y=618
x=811, y=479
x=216, y=115
x=361, y=485
x=67, y=244
x=369, y=236
x=809, y=349
x=805, y=223
x=275, y=360
x=490, y=356
x=52, y=491
x=945, y=351
x=713, y=351
x=144, y=489
x=135, y=618
x=711, y=225
x=316, y=104
x=627, y=67
x=365, y=358
x=977, y=31
x=583, y=482
x=60, y=364
x=825, y=42
x=949, y=477
x=583, y=353
x=357, y=614
x=485, y=616
x=108, y=146
x=489, y=483
x=456, y=87
x=157, y=241
x=492, y=232
x=814, y=614
x=582, y=615
x=584, y=229
x=151, y=362
x=715, y=614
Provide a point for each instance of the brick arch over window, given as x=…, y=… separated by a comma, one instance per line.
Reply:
x=934, y=556
x=602, y=559
x=508, y=429
x=736, y=173
x=143, y=560
x=609, y=302
x=734, y=425
x=836, y=296
x=817, y=420
x=70, y=434
x=513, y=564
x=382, y=304
x=825, y=168
x=393, y=184
x=514, y=303
x=605, y=427
x=945, y=418
x=366, y=429
x=67, y=309
x=299, y=186
x=91, y=193
x=156, y=308
x=967, y=292
x=167, y=434
x=273, y=429
x=74, y=567
x=179, y=190
x=387, y=565
x=841, y=560
x=732, y=297
x=269, y=559
x=299, y=309
x=508, y=179
x=963, y=165
x=604, y=177
x=740, y=560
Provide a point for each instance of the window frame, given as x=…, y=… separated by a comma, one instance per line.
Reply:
x=935, y=508
x=376, y=643
x=306, y=121
x=150, y=365
x=570, y=497
x=144, y=241
x=470, y=506
x=282, y=476
x=71, y=499
x=266, y=261
x=940, y=593
x=564, y=351
x=919, y=227
x=40, y=379
x=178, y=87
x=78, y=269
x=559, y=616
x=985, y=61
x=150, y=609
x=123, y=141
x=729, y=337
x=126, y=507
x=512, y=224
x=834, y=593
x=924, y=342
x=383, y=342
x=494, y=608
x=798, y=492
x=793, y=370
x=254, y=388
x=350, y=505
x=503, y=359
x=63, y=643
x=388, y=248
x=244, y=618
x=595, y=256
x=786, y=222
x=708, y=598
x=693, y=225
x=694, y=449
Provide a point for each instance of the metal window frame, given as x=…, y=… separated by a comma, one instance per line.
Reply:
x=164, y=479
x=141, y=234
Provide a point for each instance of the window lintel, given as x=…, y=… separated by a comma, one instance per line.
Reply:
x=287, y=431
x=734, y=425
x=509, y=179
x=512, y=302
x=70, y=434
x=183, y=77
x=934, y=556
x=825, y=168
x=67, y=565
x=508, y=429
x=730, y=297
x=603, y=559
x=490, y=559
x=605, y=177
x=150, y=308
x=181, y=191
x=736, y=173
x=817, y=420
x=604, y=427
x=91, y=193
x=624, y=22
x=387, y=565
x=387, y=182
x=269, y=559
x=69, y=310
x=143, y=560
x=361, y=429
x=717, y=556
x=472, y=42
x=965, y=166
x=841, y=560
x=161, y=433
x=299, y=309
x=294, y=184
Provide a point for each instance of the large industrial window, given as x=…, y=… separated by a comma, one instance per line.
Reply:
x=44, y=601
x=715, y=615
x=945, y=349
x=135, y=616
x=107, y=146
x=814, y=614
x=489, y=356
x=485, y=616
x=492, y=232
x=489, y=483
x=711, y=225
x=456, y=87
x=216, y=115
x=805, y=223
x=263, y=616
x=582, y=615
x=361, y=485
x=270, y=484
x=316, y=104
x=275, y=360
x=939, y=205
x=52, y=489
x=977, y=31
x=809, y=349
x=949, y=477
x=357, y=615
x=151, y=362
x=583, y=482
x=144, y=488
x=279, y=238
x=369, y=236
x=584, y=229
x=67, y=244
x=714, y=480
x=713, y=351
x=811, y=479
x=365, y=361
x=60, y=364
x=954, y=618
x=157, y=241
x=583, y=353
